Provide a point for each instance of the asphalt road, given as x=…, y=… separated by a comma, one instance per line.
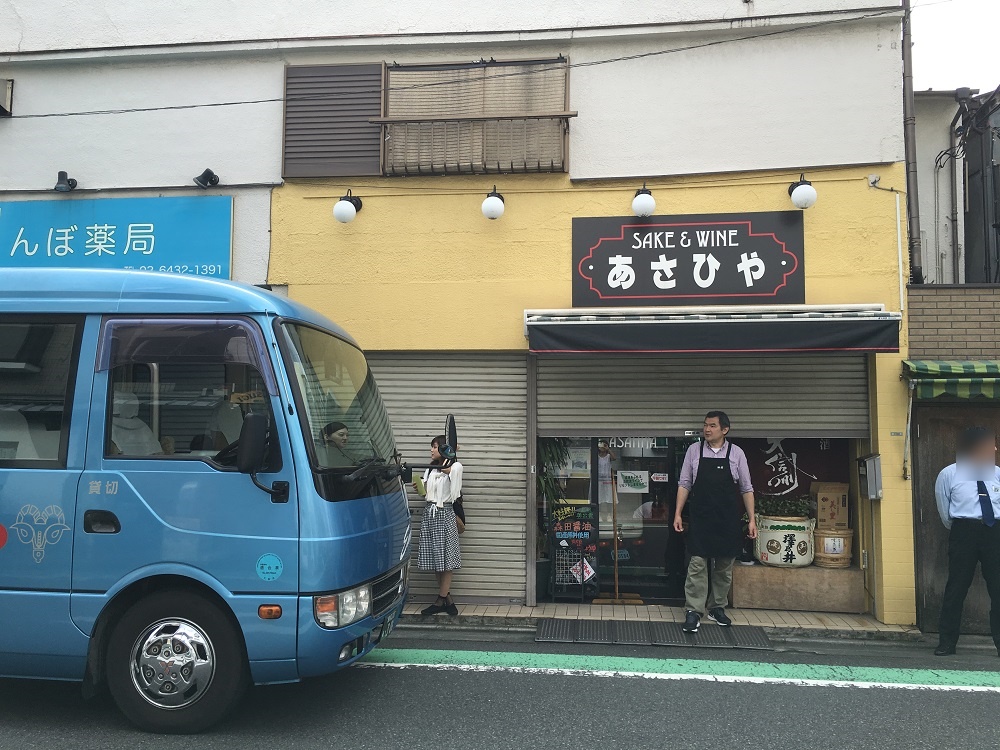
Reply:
x=428, y=689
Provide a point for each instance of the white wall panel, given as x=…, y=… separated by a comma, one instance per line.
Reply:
x=75, y=24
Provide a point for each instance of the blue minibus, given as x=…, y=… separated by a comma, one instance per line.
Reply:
x=199, y=491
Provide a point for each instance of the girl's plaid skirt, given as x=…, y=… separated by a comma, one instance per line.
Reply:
x=438, y=549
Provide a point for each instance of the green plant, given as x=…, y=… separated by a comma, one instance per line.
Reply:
x=795, y=506
x=551, y=454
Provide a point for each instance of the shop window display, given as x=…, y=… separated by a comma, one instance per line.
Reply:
x=637, y=503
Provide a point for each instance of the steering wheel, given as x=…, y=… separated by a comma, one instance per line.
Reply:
x=227, y=456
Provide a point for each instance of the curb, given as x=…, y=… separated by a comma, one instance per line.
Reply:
x=466, y=623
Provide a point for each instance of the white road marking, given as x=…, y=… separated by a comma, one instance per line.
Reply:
x=679, y=676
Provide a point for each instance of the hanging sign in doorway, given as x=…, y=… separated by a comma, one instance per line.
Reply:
x=583, y=571
x=633, y=482
x=700, y=259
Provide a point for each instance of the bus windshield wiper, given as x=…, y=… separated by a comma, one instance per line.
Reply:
x=367, y=469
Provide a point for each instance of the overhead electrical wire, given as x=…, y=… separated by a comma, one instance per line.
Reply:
x=536, y=71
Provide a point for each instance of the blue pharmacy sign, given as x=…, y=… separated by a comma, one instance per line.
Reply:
x=175, y=235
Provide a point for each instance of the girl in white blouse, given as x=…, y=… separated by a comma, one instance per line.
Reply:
x=439, y=550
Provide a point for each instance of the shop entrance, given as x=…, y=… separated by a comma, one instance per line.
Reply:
x=630, y=483
x=649, y=558
x=609, y=512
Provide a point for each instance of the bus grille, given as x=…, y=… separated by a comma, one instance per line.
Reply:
x=386, y=590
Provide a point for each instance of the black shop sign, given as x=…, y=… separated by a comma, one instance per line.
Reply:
x=702, y=259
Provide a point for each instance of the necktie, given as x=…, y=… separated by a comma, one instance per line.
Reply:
x=986, y=504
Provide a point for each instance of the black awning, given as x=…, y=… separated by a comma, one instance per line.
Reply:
x=660, y=331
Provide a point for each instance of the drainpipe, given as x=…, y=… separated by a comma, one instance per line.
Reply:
x=910, y=146
x=962, y=96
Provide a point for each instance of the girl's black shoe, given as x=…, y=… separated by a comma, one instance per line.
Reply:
x=436, y=608
x=450, y=607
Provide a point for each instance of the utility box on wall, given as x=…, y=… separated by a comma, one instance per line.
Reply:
x=870, y=476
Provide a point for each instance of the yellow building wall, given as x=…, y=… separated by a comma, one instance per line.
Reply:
x=421, y=268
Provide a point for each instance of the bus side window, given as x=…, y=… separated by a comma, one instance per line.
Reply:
x=38, y=360
x=180, y=389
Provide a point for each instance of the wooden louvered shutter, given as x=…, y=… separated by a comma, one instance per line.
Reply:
x=328, y=109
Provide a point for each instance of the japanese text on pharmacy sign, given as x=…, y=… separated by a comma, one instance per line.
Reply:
x=173, y=235
x=689, y=260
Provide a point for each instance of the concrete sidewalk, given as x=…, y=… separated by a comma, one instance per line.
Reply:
x=778, y=623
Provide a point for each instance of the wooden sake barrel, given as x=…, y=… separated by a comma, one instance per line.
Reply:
x=833, y=548
x=784, y=542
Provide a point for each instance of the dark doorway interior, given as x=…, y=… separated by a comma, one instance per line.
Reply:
x=934, y=429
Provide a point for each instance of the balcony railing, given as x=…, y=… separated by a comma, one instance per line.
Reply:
x=474, y=145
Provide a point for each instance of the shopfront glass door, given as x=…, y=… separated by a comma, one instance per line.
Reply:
x=639, y=511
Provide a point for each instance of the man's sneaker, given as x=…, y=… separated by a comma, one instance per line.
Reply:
x=718, y=614
x=691, y=622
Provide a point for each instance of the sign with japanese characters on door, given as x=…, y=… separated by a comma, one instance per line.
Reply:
x=718, y=259
x=188, y=235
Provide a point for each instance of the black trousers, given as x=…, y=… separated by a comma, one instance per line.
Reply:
x=970, y=543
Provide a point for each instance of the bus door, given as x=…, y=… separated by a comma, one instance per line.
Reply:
x=43, y=422
x=160, y=493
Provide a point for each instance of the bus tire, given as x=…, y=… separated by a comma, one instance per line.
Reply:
x=175, y=663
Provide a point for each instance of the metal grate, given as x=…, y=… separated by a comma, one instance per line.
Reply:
x=713, y=636
x=556, y=631
x=669, y=634
x=638, y=633
x=632, y=633
x=746, y=636
x=594, y=631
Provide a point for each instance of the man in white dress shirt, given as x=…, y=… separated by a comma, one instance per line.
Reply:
x=968, y=501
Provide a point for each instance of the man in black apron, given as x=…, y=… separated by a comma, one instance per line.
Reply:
x=715, y=485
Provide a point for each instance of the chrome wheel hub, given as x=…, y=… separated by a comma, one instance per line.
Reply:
x=173, y=663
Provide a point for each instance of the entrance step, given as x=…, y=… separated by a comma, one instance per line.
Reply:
x=640, y=633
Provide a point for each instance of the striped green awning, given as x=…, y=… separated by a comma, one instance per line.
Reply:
x=933, y=378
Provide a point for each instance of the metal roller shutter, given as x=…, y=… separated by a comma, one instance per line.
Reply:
x=765, y=396
x=487, y=393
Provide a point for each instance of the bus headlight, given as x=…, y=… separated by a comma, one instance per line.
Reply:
x=338, y=610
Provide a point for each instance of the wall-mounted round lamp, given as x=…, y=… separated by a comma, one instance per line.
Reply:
x=802, y=193
x=64, y=183
x=643, y=204
x=346, y=208
x=493, y=205
x=206, y=179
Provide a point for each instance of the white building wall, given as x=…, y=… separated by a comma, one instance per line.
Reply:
x=145, y=154
x=161, y=148
x=809, y=98
x=33, y=25
x=801, y=96
x=820, y=86
x=942, y=265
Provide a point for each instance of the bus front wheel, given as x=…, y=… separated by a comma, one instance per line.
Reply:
x=175, y=663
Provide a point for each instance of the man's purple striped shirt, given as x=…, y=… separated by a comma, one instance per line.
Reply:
x=737, y=464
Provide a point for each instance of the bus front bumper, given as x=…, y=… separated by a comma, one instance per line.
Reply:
x=324, y=650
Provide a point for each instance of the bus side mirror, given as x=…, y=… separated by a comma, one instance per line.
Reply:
x=253, y=444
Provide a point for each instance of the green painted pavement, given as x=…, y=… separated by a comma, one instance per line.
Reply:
x=723, y=669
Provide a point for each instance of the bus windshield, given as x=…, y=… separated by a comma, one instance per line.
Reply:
x=345, y=421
